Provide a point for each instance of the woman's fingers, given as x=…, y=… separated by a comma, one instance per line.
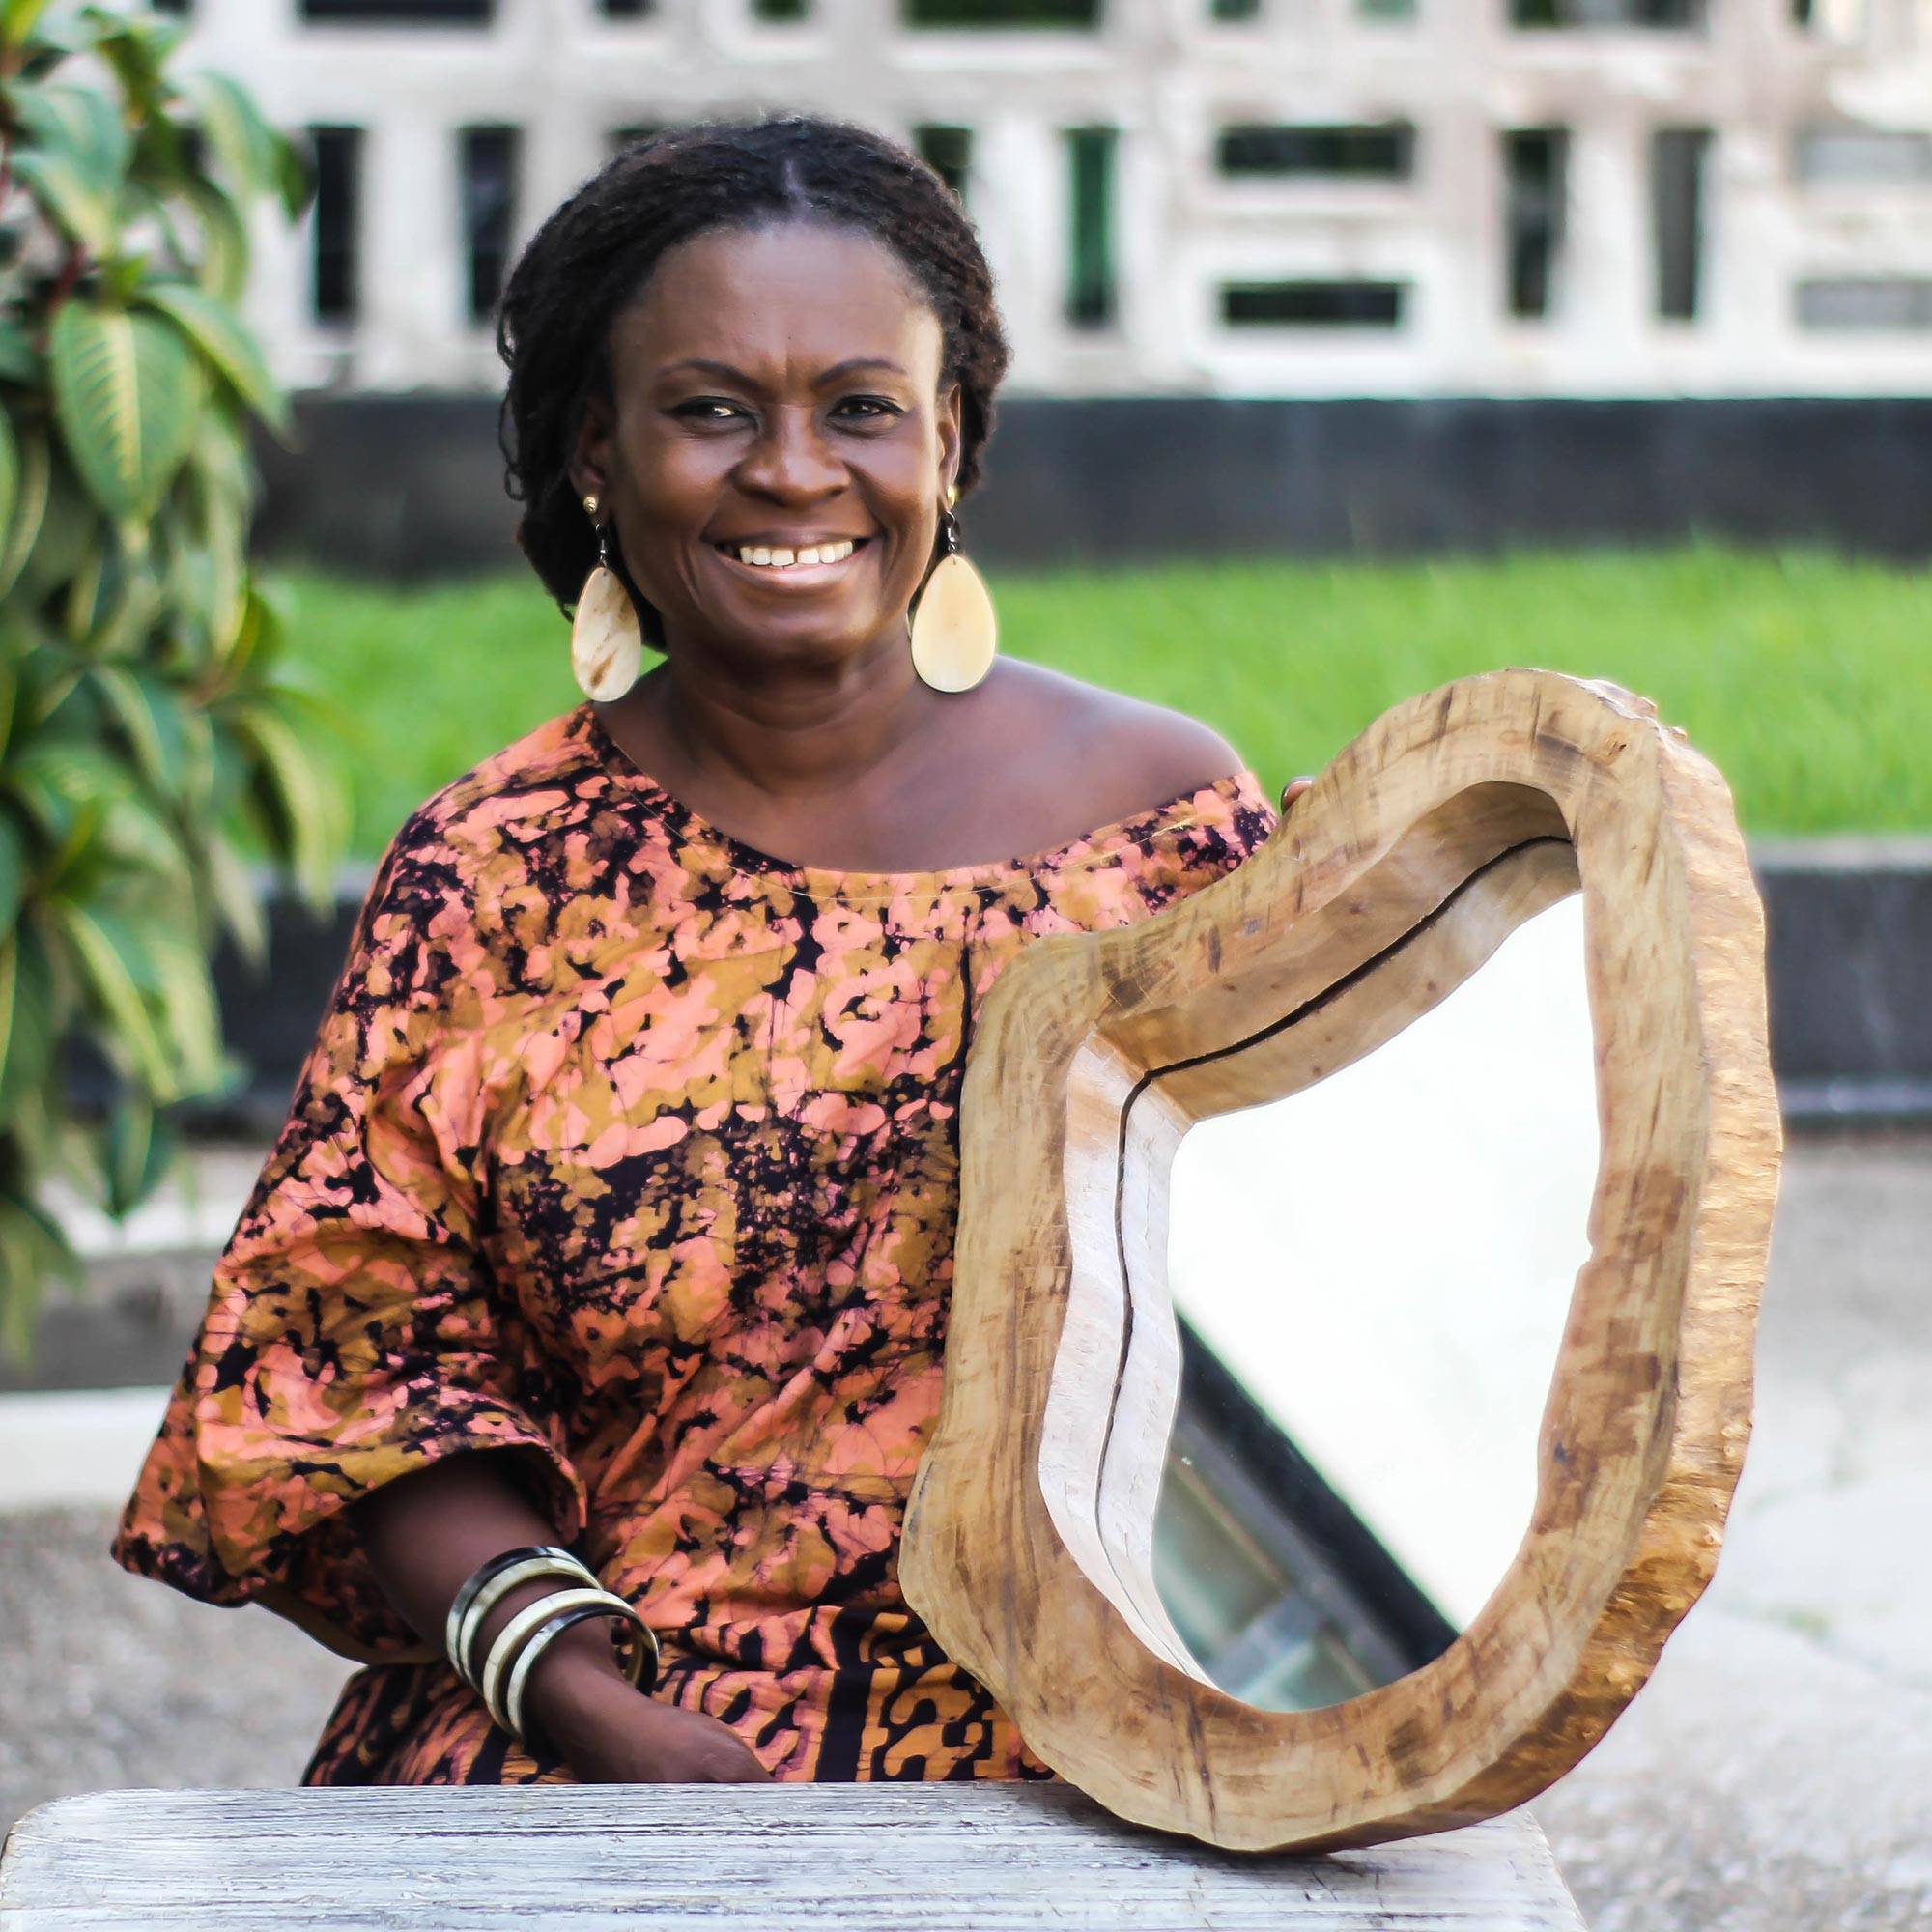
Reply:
x=1292, y=790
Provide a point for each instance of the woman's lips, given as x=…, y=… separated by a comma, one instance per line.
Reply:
x=792, y=576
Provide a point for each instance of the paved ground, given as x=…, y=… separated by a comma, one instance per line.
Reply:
x=1775, y=1776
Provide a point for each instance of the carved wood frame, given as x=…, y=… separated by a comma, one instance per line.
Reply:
x=1028, y=1534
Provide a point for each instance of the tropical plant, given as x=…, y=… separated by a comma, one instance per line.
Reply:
x=153, y=744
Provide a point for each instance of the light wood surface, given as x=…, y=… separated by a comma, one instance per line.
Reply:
x=1027, y=1546
x=727, y=1857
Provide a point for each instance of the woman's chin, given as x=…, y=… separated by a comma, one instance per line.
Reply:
x=804, y=642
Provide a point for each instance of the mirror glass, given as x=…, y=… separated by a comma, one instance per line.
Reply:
x=1371, y=1277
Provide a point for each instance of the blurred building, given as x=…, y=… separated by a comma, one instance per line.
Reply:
x=1249, y=197
x=1374, y=201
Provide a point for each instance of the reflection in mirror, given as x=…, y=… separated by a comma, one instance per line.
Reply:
x=1371, y=1277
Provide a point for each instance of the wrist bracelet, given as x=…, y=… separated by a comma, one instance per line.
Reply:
x=528, y=1656
x=510, y=1639
x=491, y=1582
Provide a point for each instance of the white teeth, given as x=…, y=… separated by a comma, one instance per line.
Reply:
x=784, y=559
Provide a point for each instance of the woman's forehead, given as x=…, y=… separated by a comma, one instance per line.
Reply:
x=779, y=301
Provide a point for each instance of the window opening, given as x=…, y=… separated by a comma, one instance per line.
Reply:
x=1536, y=164
x=402, y=12
x=1373, y=150
x=1679, y=163
x=1320, y=304
x=997, y=14
x=948, y=150
x=1090, y=295
x=488, y=169
x=1665, y=13
x=335, y=218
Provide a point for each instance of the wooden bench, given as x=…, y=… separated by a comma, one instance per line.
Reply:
x=732, y=1858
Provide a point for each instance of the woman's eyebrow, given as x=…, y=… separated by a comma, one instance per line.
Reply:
x=729, y=374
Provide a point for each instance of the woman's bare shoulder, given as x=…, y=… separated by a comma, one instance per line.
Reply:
x=1115, y=754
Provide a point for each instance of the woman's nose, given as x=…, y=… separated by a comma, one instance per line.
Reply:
x=791, y=456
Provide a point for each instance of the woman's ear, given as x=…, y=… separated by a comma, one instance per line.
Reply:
x=589, y=464
x=950, y=437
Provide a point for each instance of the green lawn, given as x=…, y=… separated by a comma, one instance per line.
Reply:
x=1806, y=677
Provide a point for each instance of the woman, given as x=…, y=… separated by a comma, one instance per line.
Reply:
x=627, y=1149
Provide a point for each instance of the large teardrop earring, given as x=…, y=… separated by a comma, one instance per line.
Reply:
x=607, y=644
x=954, y=628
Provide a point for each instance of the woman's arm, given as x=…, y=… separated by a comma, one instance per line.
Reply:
x=427, y=1532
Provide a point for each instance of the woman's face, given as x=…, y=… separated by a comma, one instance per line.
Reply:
x=776, y=388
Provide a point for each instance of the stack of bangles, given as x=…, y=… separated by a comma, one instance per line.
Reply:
x=504, y=1673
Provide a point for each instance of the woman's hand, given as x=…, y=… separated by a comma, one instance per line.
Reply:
x=609, y=1732
x=1292, y=790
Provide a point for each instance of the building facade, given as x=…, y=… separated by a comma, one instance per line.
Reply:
x=1233, y=198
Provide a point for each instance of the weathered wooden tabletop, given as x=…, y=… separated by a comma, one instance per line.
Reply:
x=731, y=1857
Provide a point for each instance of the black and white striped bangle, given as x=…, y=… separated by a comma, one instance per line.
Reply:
x=642, y=1656
x=490, y=1585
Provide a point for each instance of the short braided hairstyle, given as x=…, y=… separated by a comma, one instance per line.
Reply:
x=594, y=254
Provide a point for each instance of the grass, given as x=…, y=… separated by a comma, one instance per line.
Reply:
x=1807, y=677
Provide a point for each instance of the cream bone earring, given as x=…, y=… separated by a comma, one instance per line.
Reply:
x=607, y=642
x=954, y=628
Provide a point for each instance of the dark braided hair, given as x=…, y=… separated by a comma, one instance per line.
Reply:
x=594, y=254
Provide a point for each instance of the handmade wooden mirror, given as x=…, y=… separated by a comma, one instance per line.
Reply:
x=1348, y=1361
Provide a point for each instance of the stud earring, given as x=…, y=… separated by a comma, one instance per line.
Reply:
x=607, y=644
x=954, y=628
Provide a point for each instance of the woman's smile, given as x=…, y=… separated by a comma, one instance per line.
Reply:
x=790, y=569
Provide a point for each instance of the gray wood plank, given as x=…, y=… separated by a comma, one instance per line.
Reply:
x=735, y=1857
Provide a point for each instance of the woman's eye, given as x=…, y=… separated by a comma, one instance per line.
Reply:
x=698, y=407
x=876, y=407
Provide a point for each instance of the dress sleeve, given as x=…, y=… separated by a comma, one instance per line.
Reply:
x=1222, y=824
x=352, y=1333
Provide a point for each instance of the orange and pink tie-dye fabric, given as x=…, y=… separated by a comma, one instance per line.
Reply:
x=633, y=1152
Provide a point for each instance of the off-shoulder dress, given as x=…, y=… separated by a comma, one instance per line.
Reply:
x=630, y=1148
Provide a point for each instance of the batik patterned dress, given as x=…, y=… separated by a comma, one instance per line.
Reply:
x=632, y=1151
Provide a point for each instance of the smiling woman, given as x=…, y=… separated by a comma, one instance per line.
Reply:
x=627, y=1149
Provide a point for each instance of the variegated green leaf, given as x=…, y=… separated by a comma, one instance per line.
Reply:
x=10, y=470
x=138, y=1152
x=308, y=806
x=147, y=714
x=78, y=122
x=60, y=781
x=30, y=1021
x=78, y=207
x=186, y=996
x=293, y=177
x=30, y=504
x=87, y=596
x=16, y=870
x=69, y=523
x=33, y=1252
x=128, y=391
x=220, y=335
x=223, y=267
x=236, y=901
x=114, y=966
x=137, y=48
x=242, y=142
